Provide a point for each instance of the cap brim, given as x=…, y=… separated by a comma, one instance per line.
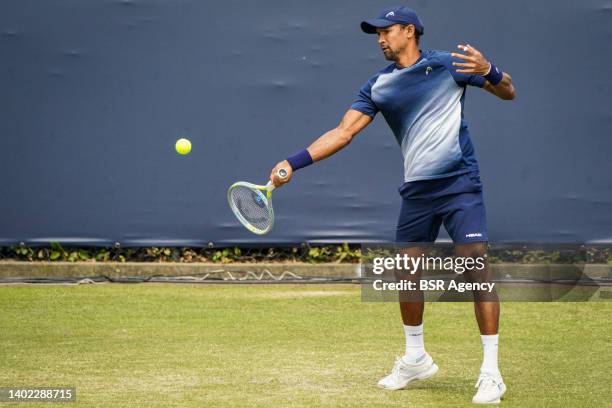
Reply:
x=370, y=26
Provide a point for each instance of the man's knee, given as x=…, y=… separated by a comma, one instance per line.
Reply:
x=471, y=250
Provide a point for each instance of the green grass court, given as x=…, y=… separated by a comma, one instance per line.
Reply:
x=164, y=345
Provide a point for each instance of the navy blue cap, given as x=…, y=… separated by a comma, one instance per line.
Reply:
x=393, y=15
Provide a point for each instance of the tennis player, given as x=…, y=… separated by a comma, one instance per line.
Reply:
x=421, y=95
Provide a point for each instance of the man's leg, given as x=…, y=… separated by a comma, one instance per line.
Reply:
x=486, y=304
x=486, y=307
x=417, y=223
x=412, y=306
x=412, y=312
x=465, y=221
x=415, y=364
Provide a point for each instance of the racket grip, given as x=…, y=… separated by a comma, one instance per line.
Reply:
x=270, y=186
x=282, y=173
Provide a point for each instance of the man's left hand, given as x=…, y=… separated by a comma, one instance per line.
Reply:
x=475, y=62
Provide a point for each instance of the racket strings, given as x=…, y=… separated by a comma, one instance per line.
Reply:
x=252, y=205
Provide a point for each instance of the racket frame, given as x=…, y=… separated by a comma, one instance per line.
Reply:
x=268, y=197
x=268, y=188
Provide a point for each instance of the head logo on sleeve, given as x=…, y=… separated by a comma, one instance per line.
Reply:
x=428, y=70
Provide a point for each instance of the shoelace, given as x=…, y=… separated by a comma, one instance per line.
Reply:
x=396, y=367
x=486, y=381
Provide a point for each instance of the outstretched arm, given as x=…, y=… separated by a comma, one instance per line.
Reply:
x=329, y=143
x=476, y=63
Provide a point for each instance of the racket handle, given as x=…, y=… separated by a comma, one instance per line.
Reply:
x=282, y=173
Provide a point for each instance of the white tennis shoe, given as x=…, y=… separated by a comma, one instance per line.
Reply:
x=403, y=373
x=491, y=389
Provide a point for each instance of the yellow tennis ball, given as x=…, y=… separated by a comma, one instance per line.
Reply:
x=183, y=146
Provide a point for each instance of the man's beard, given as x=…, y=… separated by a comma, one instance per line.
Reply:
x=390, y=55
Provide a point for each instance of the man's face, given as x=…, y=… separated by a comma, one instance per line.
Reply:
x=394, y=39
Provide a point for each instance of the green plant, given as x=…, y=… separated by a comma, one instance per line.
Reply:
x=23, y=252
x=318, y=254
x=345, y=253
x=227, y=255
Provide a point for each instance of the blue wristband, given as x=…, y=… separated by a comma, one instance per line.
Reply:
x=495, y=75
x=299, y=160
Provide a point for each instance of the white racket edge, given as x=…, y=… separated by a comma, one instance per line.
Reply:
x=269, y=187
x=239, y=216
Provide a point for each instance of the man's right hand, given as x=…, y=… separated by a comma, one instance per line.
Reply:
x=274, y=177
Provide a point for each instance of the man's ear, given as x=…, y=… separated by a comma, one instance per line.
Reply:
x=411, y=30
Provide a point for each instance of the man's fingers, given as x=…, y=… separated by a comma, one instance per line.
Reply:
x=462, y=56
x=470, y=50
x=464, y=64
x=466, y=71
x=276, y=179
x=467, y=48
x=273, y=177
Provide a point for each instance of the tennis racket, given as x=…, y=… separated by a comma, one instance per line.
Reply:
x=252, y=204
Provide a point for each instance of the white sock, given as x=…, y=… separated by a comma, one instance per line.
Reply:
x=415, y=347
x=489, y=348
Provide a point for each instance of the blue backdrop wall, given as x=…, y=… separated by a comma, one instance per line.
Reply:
x=94, y=94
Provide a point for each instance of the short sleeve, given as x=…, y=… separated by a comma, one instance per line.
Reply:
x=461, y=79
x=364, y=103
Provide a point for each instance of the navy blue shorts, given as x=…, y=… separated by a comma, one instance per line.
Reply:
x=456, y=202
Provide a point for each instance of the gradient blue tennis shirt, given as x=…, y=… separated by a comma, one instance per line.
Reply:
x=423, y=105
